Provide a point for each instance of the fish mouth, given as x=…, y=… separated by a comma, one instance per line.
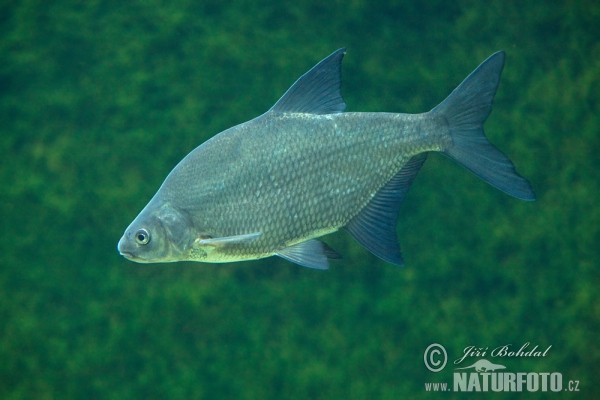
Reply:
x=121, y=248
x=134, y=258
x=127, y=255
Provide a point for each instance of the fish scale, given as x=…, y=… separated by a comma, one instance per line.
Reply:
x=273, y=185
x=310, y=173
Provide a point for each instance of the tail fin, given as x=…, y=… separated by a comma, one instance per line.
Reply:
x=466, y=109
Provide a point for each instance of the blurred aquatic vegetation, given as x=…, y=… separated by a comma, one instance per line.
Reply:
x=98, y=102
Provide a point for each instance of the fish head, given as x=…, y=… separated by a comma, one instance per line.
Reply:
x=160, y=233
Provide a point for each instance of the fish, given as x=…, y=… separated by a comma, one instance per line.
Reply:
x=274, y=185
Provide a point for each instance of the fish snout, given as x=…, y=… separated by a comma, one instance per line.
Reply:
x=123, y=249
x=129, y=249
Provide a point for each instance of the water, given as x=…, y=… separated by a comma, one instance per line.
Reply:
x=99, y=102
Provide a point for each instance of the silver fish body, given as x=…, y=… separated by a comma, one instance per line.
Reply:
x=304, y=169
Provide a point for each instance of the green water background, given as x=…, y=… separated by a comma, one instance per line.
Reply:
x=100, y=99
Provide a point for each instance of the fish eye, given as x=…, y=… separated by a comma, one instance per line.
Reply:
x=142, y=236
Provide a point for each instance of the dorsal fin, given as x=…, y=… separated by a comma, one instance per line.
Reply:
x=318, y=91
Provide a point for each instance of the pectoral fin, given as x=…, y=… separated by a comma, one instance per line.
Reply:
x=227, y=240
x=312, y=254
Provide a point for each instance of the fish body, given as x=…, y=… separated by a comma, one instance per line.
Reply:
x=304, y=169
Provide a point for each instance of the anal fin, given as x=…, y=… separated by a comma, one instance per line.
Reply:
x=374, y=227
